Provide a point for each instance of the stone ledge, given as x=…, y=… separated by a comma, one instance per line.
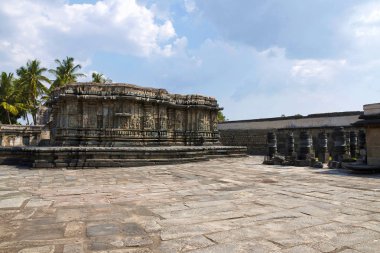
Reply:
x=93, y=157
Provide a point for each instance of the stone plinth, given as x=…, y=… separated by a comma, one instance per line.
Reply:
x=93, y=157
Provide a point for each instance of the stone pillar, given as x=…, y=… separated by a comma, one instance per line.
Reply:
x=322, y=147
x=290, y=144
x=353, y=144
x=348, y=145
x=362, y=144
x=339, y=144
x=171, y=124
x=305, y=145
x=272, y=144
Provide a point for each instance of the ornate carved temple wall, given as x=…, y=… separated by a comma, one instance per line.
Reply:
x=121, y=114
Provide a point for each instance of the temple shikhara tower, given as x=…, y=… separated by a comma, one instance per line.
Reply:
x=118, y=114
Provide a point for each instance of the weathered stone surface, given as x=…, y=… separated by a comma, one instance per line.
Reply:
x=3, y=193
x=140, y=250
x=95, y=157
x=73, y=248
x=219, y=248
x=103, y=229
x=25, y=214
x=38, y=203
x=221, y=205
x=43, y=249
x=12, y=202
x=69, y=214
x=371, y=246
x=74, y=229
x=300, y=249
x=185, y=244
x=137, y=241
x=139, y=116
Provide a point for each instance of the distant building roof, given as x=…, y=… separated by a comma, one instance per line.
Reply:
x=332, y=119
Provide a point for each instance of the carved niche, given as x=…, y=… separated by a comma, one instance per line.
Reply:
x=204, y=122
x=214, y=122
x=135, y=122
x=178, y=120
x=163, y=119
x=148, y=118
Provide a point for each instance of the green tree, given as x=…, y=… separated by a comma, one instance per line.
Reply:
x=9, y=99
x=31, y=84
x=6, y=96
x=66, y=72
x=220, y=117
x=98, y=78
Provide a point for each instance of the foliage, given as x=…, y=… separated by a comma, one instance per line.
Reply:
x=23, y=95
x=10, y=108
x=100, y=78
x=220, y=117
x=66, y=72
x=31, y=85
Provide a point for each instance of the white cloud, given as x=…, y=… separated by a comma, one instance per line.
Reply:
x=50, y=29
x=362, y=32
x=365, y=21
x=318, y=69
x=190, y=6
x=368, y=13
x=250, y=83
x=258, y=72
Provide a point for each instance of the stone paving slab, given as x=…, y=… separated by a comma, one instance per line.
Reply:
x=12, y=202
x=223, y=205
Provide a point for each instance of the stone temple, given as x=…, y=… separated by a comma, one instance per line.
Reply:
x=88, y=114
x=119, y=125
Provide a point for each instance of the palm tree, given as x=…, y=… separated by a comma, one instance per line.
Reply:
x=98, y=78
x=31, y=83
x=65, y=72
x=9, y=97
x=22, y=97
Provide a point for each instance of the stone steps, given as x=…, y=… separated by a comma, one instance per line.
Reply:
x=95, y=157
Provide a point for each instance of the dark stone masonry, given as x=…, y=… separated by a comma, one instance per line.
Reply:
x=118, y=114
x=319, y=127
x=120, y=125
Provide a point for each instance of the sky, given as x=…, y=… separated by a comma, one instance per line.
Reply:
x=258, y=58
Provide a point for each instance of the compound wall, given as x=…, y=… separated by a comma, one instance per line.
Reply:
x=253, y=133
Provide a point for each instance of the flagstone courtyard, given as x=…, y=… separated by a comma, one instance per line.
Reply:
x=222, y=205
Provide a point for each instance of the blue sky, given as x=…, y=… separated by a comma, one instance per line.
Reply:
x=258, y=58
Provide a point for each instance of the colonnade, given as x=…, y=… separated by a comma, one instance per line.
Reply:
x=335, y=144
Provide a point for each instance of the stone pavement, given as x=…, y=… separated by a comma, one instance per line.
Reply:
x=222, y=205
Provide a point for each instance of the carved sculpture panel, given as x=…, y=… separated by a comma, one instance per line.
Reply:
x=179, y=121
